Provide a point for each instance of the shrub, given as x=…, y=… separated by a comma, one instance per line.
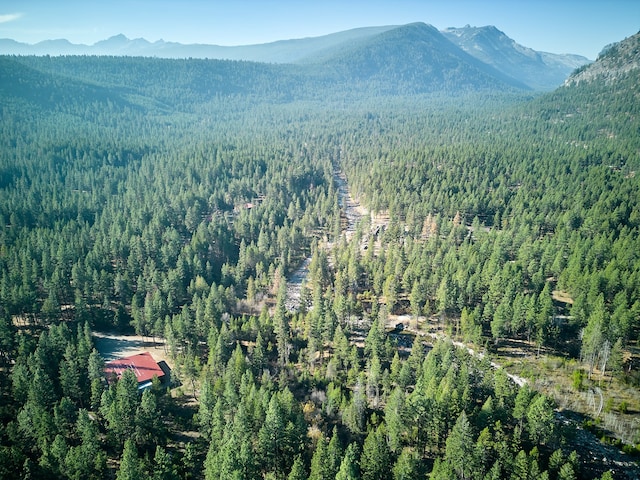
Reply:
x=624, y=407
x=578, y=379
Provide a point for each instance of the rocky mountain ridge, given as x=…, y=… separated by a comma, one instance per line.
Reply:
x=613, y=62
x=538, y=70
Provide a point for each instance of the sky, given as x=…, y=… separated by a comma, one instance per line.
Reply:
x=582, y=27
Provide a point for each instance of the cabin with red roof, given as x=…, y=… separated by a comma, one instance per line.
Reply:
x=142, y=364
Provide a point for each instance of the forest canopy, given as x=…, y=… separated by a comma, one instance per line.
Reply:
x=174, y=199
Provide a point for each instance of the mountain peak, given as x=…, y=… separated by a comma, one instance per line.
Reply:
x=416, y=27
x=121, y=43
x=539, y=70
x=120, y=38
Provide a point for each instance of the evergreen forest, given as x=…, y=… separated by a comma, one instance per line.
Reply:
x=470, y=298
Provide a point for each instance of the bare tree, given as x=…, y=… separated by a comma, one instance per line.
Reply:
x=604, y=355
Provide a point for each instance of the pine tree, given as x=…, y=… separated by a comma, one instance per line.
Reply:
x=163, y=467
x=120, y=408
x=281, y=323
x=459, y=450
x=41, y=390
x=375, y=463
x=407, y=467
x=319, y=462
x=394, y=419
x=70, y=375
x=349, y=466
x=297, y=471
x=130, y=464
x=334, y=454
x=541, y=419
x=147, y=421
x=279, y=438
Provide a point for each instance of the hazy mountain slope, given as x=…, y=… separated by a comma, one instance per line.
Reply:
x=538, y=70
x=402, y=61
x=170, y=84
x=414, y=58
x=23, y=83
x=614, y=62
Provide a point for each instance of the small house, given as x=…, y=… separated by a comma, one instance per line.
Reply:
x=143, y=366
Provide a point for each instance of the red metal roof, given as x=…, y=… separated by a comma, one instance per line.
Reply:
x=142, y=364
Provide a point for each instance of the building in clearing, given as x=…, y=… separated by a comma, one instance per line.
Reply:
x=142, y=364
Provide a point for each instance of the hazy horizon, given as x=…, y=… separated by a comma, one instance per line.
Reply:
x=571, y=26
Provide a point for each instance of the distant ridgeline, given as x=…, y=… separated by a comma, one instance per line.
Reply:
x=469, y=56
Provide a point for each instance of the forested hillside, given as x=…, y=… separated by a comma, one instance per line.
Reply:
x=175, y=198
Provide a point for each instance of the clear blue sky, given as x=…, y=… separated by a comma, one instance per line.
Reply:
x=558, y=26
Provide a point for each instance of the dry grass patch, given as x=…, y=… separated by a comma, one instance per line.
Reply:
x=614, y=405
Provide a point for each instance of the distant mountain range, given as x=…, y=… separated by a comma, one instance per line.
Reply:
x=485, y=50
x=284, y=51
